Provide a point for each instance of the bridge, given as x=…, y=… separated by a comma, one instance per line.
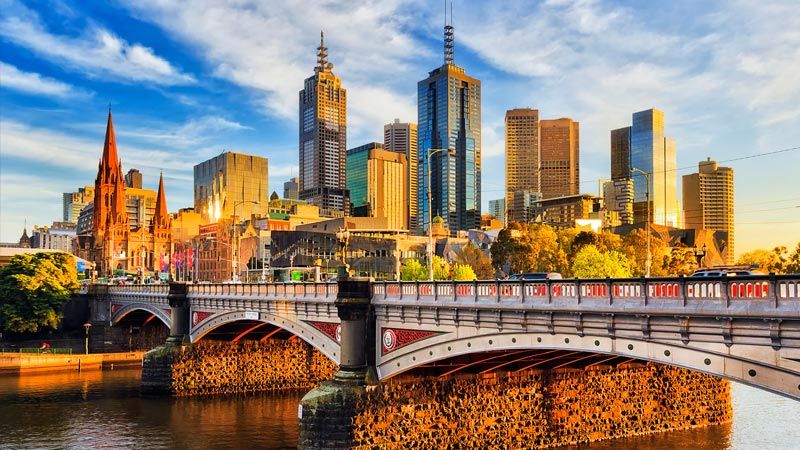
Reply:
x=745, y=329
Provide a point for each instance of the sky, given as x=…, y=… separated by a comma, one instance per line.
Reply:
x=188, y=81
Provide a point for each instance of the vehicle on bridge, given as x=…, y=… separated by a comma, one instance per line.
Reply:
x=730, y=271
x=535, y=276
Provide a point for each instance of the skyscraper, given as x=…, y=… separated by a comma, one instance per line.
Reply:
x=376, y=179
x=231, y=184
x=497, y=208
x=449, y=118
x=708, y=201
x=290, y=189
x=522, y=157
x=643, y=146
x=323, y=138
x=402, y=138
x=559, y=142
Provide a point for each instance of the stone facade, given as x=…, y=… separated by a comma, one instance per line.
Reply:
x=538, y=409
x=226, y=368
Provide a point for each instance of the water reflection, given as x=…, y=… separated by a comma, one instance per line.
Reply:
x=104, y=410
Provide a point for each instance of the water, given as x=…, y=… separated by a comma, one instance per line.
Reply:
x=104, y=410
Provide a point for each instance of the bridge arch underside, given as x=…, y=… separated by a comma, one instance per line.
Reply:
x=141, y=328
x=232, y=327
x=511, y=352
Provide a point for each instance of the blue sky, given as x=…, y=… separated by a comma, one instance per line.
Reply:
x=187, y=81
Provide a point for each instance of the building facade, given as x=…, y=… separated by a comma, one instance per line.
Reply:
x=559, y=143
x=74, y=202
x=618, y=201
x=59, y=236
x=231, y=184
x=323, y=139
x=644, y=146
x=290, y=189
x=402, y=138
x=376, y=179
x=567, y=211
x=449, y=118
x=114, y=244
x=522, y=153
x=497, y=208
x=708, y=202
x=522, y=204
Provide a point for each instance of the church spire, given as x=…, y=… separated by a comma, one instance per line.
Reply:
x=161, y=199
x=110, y=156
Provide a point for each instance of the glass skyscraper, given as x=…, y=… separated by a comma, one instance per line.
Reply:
x=643, y=146
x=449, y=118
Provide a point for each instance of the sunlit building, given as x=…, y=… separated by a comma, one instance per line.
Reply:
x=559, y=143
x=231, y=184
x=290, y=189
x=708, y=202
x=522, y=155
x=449, y=119
x=402, y=138
x=376, y=179
x=74, y=202
x=323, y=139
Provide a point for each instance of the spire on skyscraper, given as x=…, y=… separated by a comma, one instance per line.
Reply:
x=322, y=55
x=448, y=36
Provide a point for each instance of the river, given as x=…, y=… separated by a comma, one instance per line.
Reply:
x=97, y=409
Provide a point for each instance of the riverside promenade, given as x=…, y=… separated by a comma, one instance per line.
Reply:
x=20, y=363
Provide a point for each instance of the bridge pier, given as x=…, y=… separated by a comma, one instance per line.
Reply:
x=327, y=412
x=157, y=363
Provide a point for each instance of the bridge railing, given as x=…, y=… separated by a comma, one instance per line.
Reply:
x=265, y=290
x=666, y=291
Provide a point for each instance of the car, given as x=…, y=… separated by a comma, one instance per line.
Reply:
x=534, y=276
x=722, y=271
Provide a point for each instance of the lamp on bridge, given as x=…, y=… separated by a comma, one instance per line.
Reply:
x=700, y=254
x=343, y=236
x=86, y=326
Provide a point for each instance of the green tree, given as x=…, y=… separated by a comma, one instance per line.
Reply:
x=413, y=270
x=591, y=263
x=480, y=263
x=441, y=269
x=34, y=289
x=463, y=272
x=529, y=248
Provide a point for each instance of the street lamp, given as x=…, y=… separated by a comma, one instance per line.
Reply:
x=343, y=236
x=431, y=152
x=86, y=326
x=700, y=254
x=647, y=218
x=235, y=275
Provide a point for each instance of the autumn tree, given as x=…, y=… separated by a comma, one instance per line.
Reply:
x=34, y=289
x=591, y=263
x=480, y=263
x=634, y=247
x=441, y=268
x=463, y=272
x=413, y=270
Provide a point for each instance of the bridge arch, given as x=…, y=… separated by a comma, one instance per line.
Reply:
x=312, y=336
x=713, y=359
x=126, y=309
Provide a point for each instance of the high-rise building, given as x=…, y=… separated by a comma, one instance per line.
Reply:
x=376, y=179
x=497, y=208
x=402, y=138
x=74, y=202
x=133, y=179
x=643, y=146
x=231, y=184
x=323, y=138
x=59, y=236
x=449, y=118
x=708, y=202
x=523, y=202
x=618, y=199
x=522, y=155
x=559, y=142
x=290, y=189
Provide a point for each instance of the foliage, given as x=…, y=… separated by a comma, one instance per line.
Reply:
x=463, y=272
x=413, y=270
x=681, y=261
x=777, y=261
x=591, y=263
x=441, y=268
x=479, y=262
x=529, y=248
x=634, y=246
x=34, y=289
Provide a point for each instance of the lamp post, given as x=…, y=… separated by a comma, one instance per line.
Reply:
x=700, y=254
x=86, y=326
x=431, y=152
x=235, y=275
x=647, y=218
x=343, y=236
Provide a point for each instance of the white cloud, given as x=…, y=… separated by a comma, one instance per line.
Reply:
x=188, y=134
x=96, y=52
x=33, y=83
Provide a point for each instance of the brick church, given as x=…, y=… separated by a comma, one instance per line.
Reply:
x=114, y=245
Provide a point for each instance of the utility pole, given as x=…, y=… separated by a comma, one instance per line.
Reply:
x=647, y=219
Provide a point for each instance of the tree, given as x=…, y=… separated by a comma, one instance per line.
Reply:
x=681, y=261
x=34, y=289
x=477, y=260
x=528, y=248
x=792, y=264
x=463, y=272
x=591, y=263
x=441, y=268
x=778, y=261
x=413, y=270
x=634, y=247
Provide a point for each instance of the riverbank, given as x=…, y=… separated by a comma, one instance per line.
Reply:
x=21, y=363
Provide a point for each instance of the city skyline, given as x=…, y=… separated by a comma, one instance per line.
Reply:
x=165, y=81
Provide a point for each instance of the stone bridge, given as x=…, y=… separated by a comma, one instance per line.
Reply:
x=745, y=329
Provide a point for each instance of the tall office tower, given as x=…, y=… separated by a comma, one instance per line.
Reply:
x=376, y=179
x=643, y=146
x=290, y=191
x=559, y=143
x=74, y=202
x=522, y=156
x=708, y=201
x=133, y=179
x=323, y=138
x=449, y=118
x=618, y=200
x=231, y=184
x=402, y=138
x=497, y=208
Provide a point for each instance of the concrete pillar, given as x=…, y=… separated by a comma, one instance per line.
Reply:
x=157, y=363
x=179, y=306
x=326, y=412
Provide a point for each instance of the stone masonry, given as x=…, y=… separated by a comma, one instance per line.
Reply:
x=537, y=409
